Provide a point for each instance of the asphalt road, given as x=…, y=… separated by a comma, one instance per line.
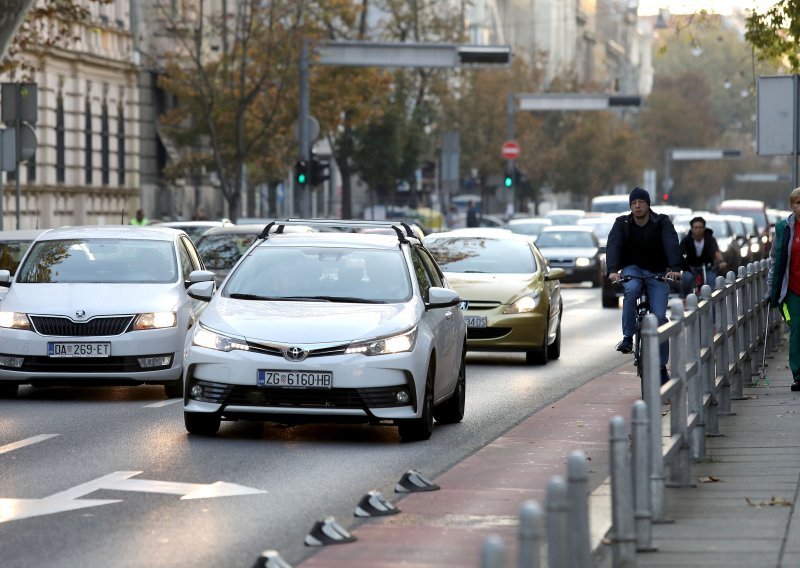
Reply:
x=66, y=444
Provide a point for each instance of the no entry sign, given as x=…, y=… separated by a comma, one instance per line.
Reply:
x=511, y=150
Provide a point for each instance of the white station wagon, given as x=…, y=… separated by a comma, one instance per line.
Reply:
x=329, y=326
x=100, y=306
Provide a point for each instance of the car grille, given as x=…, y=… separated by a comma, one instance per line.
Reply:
x=239, y=395
x=65, y=327
x=36, y=364
x=478, y=305
x=562, y=262
x=487, y=332
x=277, y=351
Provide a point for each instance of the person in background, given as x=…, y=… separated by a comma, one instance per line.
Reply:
x=452, y=217
x=699, y=248
x=783, y=280
x=643, y=244
x=472, y=214
x=140, y=219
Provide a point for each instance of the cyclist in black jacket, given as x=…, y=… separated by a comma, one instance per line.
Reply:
x=643, y=244
x=699, y=248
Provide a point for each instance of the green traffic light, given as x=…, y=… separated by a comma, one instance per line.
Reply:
x=301, y=178
x=509, y=182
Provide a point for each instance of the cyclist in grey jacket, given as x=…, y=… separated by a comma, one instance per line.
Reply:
x=643, y=244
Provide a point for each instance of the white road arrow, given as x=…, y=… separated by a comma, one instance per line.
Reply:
x=14, y=509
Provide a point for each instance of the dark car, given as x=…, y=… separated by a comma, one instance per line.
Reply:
x=574, y=248
x=221, y=247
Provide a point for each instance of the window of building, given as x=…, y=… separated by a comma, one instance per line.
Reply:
x=105, y=149
x=121, y=146
x=88, y=144
x=61, y=160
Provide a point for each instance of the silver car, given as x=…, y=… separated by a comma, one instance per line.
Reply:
x=355, y=327
x=99, y=305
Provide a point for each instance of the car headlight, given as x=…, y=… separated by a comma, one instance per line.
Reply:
x=764, y=239
x=581, y=262
x=386, y=345
x=754, y=247
x=14, y=320
x=524, y=304
x=210, y=340
x=743, y=252
x=155, y=320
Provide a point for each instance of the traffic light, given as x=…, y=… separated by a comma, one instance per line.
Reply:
x=665, y=197
x=508, y=180
x=301, y=172
x=320, y=170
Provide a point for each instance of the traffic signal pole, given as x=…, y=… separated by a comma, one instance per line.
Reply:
x=384, y=55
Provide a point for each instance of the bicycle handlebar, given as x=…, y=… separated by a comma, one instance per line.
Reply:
x=629, y=277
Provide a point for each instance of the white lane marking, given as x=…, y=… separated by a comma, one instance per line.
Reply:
x=26, y=442
x=70, y=499
x=163, y=403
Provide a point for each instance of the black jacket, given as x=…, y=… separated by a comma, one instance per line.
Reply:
x=689, y=253
x=653, y=247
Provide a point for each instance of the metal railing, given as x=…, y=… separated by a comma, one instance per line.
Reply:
x=714, y=344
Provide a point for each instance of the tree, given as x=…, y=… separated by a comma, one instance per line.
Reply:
x=233, y=75
x=775, y=33
x=46, y=24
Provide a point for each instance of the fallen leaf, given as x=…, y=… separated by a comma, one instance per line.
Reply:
x=773, y=502
x=708, y=479
x=607, y=540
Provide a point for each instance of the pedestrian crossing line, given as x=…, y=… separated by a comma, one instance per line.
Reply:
x=163, y=403
x=26, y=442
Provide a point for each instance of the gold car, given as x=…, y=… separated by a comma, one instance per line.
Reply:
x=511, y=296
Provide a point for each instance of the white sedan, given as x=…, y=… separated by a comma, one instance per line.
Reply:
x=100, y=306
x=329, y=326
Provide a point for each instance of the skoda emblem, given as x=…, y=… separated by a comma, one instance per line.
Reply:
x=295, y=354
x=80, y=314
x=464, y=305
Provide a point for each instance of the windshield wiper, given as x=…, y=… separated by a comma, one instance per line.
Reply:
x=474, y=272
x=351, y=300
x=240, y=296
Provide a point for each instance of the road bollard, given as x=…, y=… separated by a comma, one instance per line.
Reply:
x=623, y=545
x=493, y=554
x=531, y=533
x=580, y=547
x=557, y=523
x=640, y=452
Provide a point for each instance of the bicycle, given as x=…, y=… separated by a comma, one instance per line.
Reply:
x=642, y=309
x=701, y=273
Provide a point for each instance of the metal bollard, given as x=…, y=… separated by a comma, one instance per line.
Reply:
x=640, y=453
x=493, y=554
x=557, y=523
x=531, y=534
x=652, y=396
x=623, y=546
x=580, y=547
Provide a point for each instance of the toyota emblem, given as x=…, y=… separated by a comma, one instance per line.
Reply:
x=80, y=314
x=295, y=354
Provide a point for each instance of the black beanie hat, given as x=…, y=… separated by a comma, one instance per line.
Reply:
x=639, y=193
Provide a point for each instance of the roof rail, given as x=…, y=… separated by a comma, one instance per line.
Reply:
x=403, y=230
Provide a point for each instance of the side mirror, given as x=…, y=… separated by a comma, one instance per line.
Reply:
x=5, y=278
x=555, y=274
x=201, y=276
x=201, y=290
x=442, y=297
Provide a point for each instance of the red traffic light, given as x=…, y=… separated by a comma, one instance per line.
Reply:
x=666, y=197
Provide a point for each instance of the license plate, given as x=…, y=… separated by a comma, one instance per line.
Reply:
x=78, y=349
x=475, y=321
x=295, y=379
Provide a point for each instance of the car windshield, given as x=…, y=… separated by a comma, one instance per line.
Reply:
x=222, y=250
x=109, y=261
x=321, y=273
x=11, y=252
x=564, y=218
x=565, y=239
x=476, y=254
x=530, y=228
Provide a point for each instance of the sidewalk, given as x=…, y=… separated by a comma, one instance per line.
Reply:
x=741, y=509
x=482, y=495
x=738, y=513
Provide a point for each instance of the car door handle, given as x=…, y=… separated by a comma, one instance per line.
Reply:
x=448, y=314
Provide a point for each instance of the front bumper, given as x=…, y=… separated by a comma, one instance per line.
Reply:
x=363, y=388
x=506, y=332
x=122, y=366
